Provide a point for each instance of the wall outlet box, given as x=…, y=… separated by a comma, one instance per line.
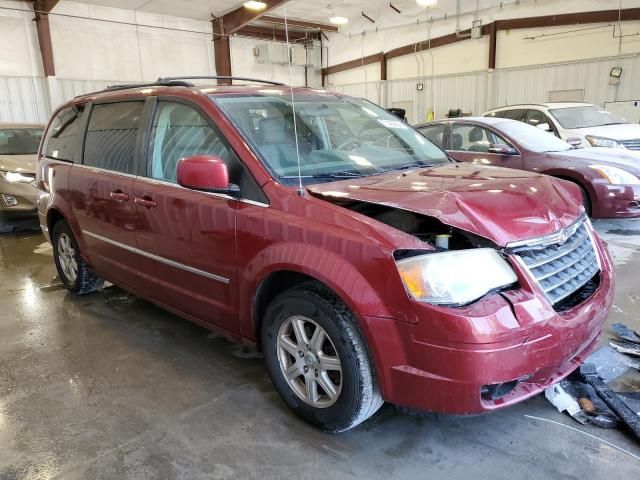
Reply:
x=476, y=29
x=420, y=86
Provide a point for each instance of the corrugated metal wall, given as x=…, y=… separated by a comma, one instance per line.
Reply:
x=28, y=99
x=477, y=92
x=23, y=99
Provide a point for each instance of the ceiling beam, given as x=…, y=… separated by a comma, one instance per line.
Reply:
x=299, y=24
x=240, y=17
x=600, y=16
x=268, y=33
x=42, y=9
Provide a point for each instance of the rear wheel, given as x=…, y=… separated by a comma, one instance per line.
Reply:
x=318, y=360
x=74, y=272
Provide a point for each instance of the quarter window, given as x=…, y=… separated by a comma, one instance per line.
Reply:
x=111, y=136
x=62, y=135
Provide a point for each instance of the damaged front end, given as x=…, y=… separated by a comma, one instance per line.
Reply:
x=512, y=317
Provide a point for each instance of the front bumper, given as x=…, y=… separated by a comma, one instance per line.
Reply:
x=442, y=363
x=616, y=201
x=26, y=196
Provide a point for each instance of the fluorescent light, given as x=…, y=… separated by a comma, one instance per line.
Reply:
x=426, y=3
x=339, y=20
x=253, y=5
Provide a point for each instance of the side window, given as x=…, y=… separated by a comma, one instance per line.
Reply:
x=62, y=135
x=536, y=117
x=472, y=138
x=435, y=133
x=516, y=114
x=111, y=136
x=179, y=131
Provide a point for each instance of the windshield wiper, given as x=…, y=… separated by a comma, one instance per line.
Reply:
x=343, y=174
x=410, y=165
x=339, y=174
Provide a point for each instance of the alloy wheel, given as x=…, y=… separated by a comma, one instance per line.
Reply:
x=309, y=361
x=67, y=257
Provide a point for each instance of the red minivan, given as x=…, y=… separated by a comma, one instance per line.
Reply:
x=364, y=263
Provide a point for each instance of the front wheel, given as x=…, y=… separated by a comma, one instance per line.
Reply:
x=74, y=272
x=318, y=360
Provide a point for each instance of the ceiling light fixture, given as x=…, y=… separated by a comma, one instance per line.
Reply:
x=426, y=3
x=254, y=5
x=337, y=20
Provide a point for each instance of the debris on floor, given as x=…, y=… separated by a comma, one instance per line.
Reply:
x=586, y=396
x=625, y=333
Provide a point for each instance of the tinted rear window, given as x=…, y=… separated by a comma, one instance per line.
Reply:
x=62, y=134
x=111, y=136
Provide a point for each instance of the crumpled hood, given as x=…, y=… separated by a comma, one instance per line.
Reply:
x=500, y=204
x=18, y=163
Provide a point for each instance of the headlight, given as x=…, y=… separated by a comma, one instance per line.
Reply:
x=603, y=142
x=456, y=277
x=616, y=176
x=15, y=177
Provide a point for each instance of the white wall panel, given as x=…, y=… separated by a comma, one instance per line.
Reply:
x=23, y=99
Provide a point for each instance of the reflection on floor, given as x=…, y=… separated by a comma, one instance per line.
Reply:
x=109, y=386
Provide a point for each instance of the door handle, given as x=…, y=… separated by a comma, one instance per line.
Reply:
x=146, y=202
x=119, y=196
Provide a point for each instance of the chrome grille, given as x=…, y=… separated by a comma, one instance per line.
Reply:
x=562, y=268
x=633, y=144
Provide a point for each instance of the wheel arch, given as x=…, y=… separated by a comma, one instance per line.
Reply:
x=330, y=270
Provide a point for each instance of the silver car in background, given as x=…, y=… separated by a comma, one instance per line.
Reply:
x=18, y=150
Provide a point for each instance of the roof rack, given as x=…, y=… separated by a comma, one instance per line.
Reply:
x=178, y=82
x=217, y=77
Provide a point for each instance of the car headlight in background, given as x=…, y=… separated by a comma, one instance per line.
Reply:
x=455, y=277
x=603, y=142
x=15, y=177
x=615, y=176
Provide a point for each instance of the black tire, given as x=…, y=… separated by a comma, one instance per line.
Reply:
x=586, y=201
x=359, y=396
x=5, y=227
x=86, y=280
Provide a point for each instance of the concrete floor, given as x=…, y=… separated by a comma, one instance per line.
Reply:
x=109, y=386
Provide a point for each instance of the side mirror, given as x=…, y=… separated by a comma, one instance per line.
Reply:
x=501, y=149
x=575, y=142
x=205, y=173
x=545, y=127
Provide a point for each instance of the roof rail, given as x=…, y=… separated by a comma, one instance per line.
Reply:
x=176, y=82
x=218, y=77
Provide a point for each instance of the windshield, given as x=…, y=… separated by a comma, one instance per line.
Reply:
x=20, y=141
x=532, y=138
x=337, y=137
x=585, y=116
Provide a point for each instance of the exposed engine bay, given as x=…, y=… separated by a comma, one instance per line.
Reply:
x=427, y=229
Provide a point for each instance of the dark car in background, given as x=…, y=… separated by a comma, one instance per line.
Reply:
x=608, y=178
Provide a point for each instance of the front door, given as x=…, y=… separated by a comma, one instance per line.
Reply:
x=470, y=143
x=101, y=191
x=188, y=237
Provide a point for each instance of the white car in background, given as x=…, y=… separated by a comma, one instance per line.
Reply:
x=581, y=124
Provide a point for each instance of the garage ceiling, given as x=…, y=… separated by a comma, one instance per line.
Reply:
x=317, y=11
